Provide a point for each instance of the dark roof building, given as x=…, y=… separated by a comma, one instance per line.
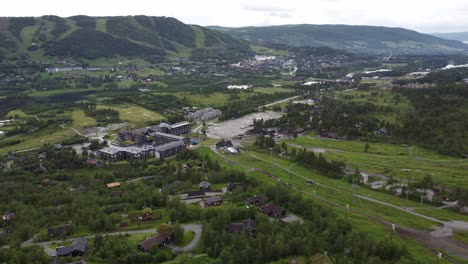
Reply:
x=59, y=231
x=273, y=210
x=236, y=186
x=213, y=201
x=224, y=143
x=79, y=247
x=159, y=240
x=257, y=200
x=249, y=225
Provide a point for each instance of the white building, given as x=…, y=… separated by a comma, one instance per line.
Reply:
x=239, y=87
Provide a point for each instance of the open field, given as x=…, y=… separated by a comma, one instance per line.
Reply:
x=384, y=98
x=399, y=161
x=37, y=139
x=134, y=114
x=377, y=97
x=80, y=120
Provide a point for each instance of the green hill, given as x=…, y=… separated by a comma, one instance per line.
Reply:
x=359, y=39
x=91, y=38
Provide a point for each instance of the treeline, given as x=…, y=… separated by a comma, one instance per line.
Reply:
x=439, y=121
x=102, y=116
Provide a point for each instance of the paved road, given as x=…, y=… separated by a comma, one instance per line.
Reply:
x=197, y=229
x=279, y=102
x=188, y=227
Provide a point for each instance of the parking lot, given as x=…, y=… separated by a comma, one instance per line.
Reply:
x=235, y=127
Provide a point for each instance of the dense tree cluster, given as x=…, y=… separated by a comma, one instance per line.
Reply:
x=439, y=119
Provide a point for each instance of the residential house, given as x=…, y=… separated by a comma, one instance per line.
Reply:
x=159, y=240
x=204, y=186
x=273, y=210
x=146, y=216
x=327, y=134
x=236, y=186
x=79, y=247
x=212, y=201
x=256, y=200
x=248, y=226
x=59, y=231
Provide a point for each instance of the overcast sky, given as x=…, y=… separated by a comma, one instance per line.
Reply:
x=421, y=15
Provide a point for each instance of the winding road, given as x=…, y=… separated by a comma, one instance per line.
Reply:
x=196, y=228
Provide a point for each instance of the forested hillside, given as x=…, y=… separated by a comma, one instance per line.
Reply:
x=154, y=38
x=360, y=39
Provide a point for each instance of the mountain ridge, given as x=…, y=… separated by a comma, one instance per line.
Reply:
x=153, y=38
x=353, y=38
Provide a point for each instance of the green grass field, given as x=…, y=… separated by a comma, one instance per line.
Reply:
x=80, y=120
x=134, y=114
x=37, y=139
x=399, y=161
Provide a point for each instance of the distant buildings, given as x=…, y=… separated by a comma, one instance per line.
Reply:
x=175, y=129
x=239, y=87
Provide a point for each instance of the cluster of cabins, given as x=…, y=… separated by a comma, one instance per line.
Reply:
x=160, y=141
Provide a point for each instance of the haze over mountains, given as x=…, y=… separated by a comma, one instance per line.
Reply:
x=461, y=36
x=359, y=39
